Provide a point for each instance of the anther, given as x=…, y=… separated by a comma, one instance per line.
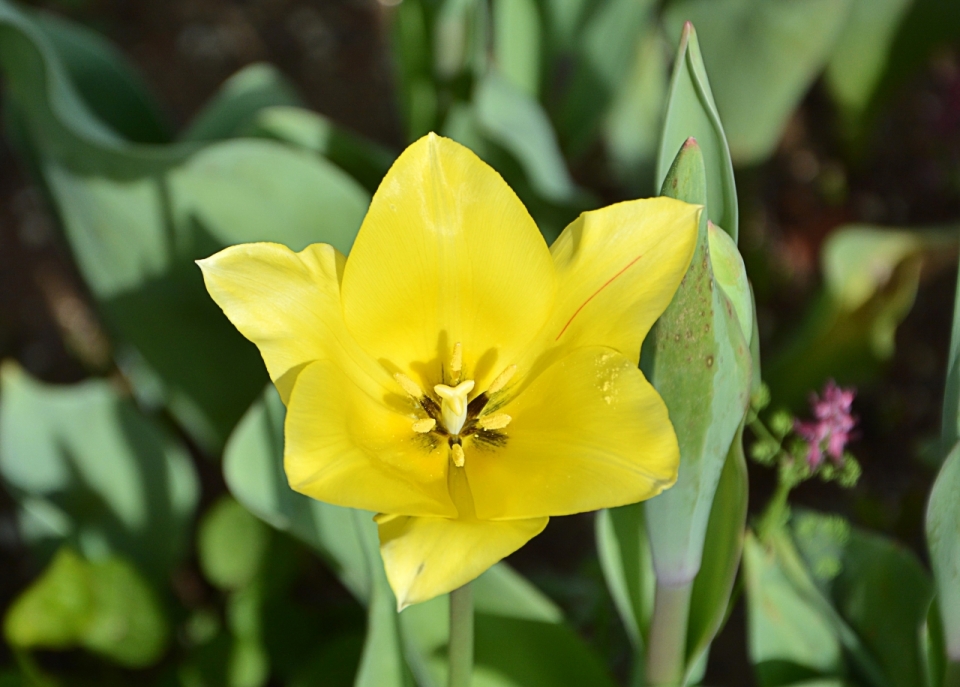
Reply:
x=424, y=426
x=408, y=385
x=458, y=456
x=498, y=421
x=456, y=362
x=502, y=380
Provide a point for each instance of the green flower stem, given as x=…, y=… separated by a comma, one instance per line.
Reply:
x=461, y=637
x=666, y=658
x=951, y=676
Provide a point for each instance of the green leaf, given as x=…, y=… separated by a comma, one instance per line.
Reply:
x=731, y=275
x=137, y=216
x=412, y=47
x=231, y=544
x=624, y=553
x=516, y=43
x=789, y=638
x=861, y=54
x=884, y=593
x=871, y=276
x=86, y=466
x=632, y=125
x=691, y=113
x=103, y=606
x=713, y=585
x=365, y=161
x=950, y=423
x=943, y=540
x=239, y=100
x=516, y=122
x=605, y=54
x=347, y=539
x=699, y=361
x=763, y=56
x=106, y=81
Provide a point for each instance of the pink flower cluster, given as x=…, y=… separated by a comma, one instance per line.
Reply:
x=831, y=431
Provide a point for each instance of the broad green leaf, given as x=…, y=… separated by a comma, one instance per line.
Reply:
x=763, y=56
x=691, y=113
x=721, y=555
x=789, y=638
x=516, y=43
x=631, y=127
x=516, y=122
x=363, y=160
x=943, y=540
x=231, y=544
x=699, y=361
x=136, y=217
x=884, y=593
x=347, y=540
x=871, y=276
x=103, y=606
x=106, y=81
x=606, y=53
x=861, y=53
x=239, y=100
x=86, y=466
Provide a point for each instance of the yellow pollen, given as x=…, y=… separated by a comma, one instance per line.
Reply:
x=453, y=404
x=458, y=456
x=498, y=421
x=424, y=426
x=502, y=379
x=456, y=361
x=408, y=385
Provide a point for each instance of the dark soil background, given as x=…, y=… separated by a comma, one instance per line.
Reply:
x=904, y=172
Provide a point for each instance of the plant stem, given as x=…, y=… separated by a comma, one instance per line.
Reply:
x=668, y=635
x=461, y=637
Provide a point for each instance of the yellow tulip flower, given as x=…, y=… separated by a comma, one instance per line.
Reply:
x=456, y=376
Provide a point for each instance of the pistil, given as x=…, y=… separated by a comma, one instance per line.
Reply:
x=453, y=404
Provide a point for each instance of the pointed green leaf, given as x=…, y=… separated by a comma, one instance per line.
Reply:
x=239, y=100
x=699, y=361
x=762, y=55
x=691, y=113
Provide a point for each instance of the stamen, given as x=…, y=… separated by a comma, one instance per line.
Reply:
x=408, y=385
x=424, y=426
x=458, y=456
x=502, y=379
x=456, y=362
x=498, y=421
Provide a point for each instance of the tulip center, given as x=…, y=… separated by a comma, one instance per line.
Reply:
x=453, y=404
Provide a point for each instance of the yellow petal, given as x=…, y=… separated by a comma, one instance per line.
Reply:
x=427, y=557
x=447, y=253
x=288, y=304
x=618, y=268
x=589, y=432
x=350, y=447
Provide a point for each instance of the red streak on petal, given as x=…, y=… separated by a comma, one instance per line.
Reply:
x=595, y=293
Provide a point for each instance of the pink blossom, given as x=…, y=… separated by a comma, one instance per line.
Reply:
x=832, y=429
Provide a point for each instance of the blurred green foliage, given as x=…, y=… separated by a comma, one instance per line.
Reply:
x=147, y=573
